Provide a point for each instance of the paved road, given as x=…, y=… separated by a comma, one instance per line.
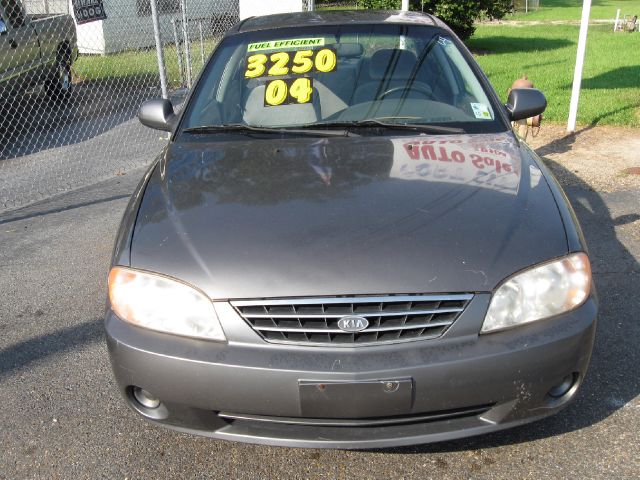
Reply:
x=62, y=417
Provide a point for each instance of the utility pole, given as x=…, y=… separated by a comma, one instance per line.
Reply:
x=577, y=76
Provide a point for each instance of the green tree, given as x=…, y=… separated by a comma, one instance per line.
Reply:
x=460, y=15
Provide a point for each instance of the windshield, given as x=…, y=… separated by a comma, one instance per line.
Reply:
x=293, y=77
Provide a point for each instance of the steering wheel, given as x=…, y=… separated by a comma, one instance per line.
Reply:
x=425, y=90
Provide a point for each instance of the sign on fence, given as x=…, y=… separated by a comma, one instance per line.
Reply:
x=87, y=11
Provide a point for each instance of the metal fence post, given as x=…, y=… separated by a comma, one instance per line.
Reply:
x=201, y=40
x=160, y=54
x=177, y=40
x=187, y=49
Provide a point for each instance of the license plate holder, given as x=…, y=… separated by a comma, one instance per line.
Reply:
x=360, y=399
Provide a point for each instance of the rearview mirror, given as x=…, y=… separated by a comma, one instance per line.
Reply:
x=158, y=114
x=525, y=103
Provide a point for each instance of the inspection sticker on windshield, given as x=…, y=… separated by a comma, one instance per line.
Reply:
x=284, y=44
x=480, y=110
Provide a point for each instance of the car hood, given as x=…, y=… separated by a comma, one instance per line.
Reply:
x=248, y=217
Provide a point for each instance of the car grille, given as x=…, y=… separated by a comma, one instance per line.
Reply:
x=315, y=320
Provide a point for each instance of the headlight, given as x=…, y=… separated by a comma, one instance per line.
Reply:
x=160, y=303
x=540, y=292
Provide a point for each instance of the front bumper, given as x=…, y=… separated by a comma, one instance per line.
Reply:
x=248, y=390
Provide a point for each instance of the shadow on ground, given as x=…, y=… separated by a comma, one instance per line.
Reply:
x=612, y=381
x=35, y=122
x=622, y=77
x=561, y=145
x=505, y=44
x=34, y=212
x=21, y=355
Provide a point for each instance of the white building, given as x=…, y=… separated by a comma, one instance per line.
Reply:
x=252, y=8
x=128, y=25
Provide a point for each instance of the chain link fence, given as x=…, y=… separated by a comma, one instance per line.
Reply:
x=526, y=5
x=72, y=76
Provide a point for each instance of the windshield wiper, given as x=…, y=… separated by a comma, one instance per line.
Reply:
x=242, y=127
x=374, y=122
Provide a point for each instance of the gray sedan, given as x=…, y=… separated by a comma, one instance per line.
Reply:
x=345, y=245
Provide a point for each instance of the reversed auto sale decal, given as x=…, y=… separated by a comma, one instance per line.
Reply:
x=484, y=161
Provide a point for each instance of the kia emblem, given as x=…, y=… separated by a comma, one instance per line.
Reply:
x=353, y=324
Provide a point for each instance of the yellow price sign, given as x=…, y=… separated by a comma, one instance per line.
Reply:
x=279, y=64
x=288, y=91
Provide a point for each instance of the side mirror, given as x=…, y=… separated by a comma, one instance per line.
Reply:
x=158, y=114
x=525, y=103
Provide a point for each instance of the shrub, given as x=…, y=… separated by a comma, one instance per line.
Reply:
x=380, y=4
x=458, y=14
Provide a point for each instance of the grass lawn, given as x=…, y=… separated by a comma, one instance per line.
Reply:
x=572, y=10
x=139, y=63
x=546, y=53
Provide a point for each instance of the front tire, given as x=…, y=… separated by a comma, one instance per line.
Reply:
x=59, y=84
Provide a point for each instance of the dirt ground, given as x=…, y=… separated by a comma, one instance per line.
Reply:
x=605, y=158
x=601, y=156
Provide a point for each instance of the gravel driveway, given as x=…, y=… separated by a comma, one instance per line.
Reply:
x=62, y=417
